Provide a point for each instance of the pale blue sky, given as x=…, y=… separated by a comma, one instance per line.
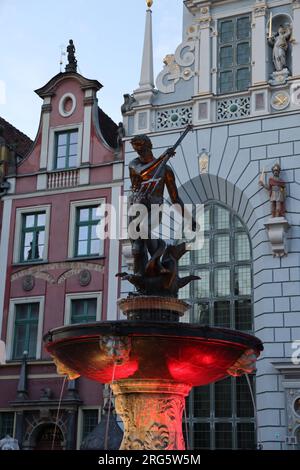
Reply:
x=108, y=36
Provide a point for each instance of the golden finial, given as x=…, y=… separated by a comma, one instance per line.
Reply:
x=149, y=3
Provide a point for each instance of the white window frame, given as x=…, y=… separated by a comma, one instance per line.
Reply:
x=52, y=149
x=82, y=296
x=20, y=211
x=72, y=226
x=11, y=323
x=81, y=409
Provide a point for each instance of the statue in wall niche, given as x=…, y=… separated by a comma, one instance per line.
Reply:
x=280, y=43
x=277, y=191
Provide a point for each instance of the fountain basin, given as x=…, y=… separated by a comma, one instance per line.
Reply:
x=178, y=352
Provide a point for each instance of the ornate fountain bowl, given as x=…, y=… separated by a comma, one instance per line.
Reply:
x=177, y=352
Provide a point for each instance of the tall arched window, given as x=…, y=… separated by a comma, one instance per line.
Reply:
x=221, y=416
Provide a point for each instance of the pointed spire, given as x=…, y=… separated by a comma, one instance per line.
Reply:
x=147, y=77
x=22, y=392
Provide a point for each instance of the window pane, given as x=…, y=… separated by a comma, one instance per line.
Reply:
x=243, y=28
x=201, y=436
x=28, y=239
x=243, y=53
x=202, y=402
x=202, y=256
x=201, y=313
x=246, y=436
x=41, y=220
x=226, y=31
x=74, y=137
x=184, y=293
x=244, y=406
x=73, y=161
x=90, y=421
x=73, y=149
x=83, y=311
x=95, y=247
x=223, y=400
x=242, y=284
x=83, y=233
x=94, y=235
x=242, y=247
x=61, y=151
x=206, y=219
x=226, y=82
x=222, y=314
x=222, y=218
x=226, y=57
x=222, y=248
x=41, y=237
x=222, y=282
x=238, y=223
x=31, y=345
x=29, y=220
x=95, y=213
x=19, y=341
x=243, y=79
x=201, y=287
x=6, y=423
x=82, y=248
x=223, y=435
x=185, y=260
x=22, y=312
x=243, y=315
x=83, y=215
x=61, y=163
x=26, y=254
x=62, y=139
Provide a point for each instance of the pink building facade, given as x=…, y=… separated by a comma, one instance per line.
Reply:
x=54, y=270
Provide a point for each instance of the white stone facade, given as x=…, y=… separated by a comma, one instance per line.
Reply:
x=239, y=147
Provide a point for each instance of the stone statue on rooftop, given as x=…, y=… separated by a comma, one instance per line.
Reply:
x=72, y=62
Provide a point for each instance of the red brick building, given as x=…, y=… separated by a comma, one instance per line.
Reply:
x=53, y=268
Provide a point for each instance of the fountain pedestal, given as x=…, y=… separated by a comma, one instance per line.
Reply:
x=151, y=411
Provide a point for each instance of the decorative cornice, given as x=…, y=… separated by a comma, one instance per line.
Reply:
x=51, y=86
x=195, y=5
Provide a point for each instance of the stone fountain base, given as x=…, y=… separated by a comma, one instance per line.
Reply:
x=151, y=411
x=151, y=363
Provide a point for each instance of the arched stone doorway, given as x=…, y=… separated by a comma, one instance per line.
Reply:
x=46, y=437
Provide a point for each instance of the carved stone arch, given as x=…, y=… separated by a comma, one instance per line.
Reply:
x=208, y=187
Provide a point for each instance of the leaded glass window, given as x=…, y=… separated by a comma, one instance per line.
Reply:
x=234, y=52
x=220, y=415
